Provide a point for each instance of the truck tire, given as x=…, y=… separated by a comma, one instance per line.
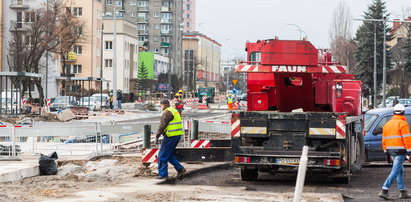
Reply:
x=358, y=163
x=249, y=174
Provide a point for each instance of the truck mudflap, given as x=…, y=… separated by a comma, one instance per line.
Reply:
x=314, y=161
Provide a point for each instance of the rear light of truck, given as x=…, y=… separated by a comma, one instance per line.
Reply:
x=331, y=162
x=242, y=159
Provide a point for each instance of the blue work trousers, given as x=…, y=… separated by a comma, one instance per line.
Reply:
x=397, y=172
x=166, y=155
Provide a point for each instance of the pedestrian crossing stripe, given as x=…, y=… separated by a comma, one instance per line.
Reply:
x=322, y=131
x=254, y=130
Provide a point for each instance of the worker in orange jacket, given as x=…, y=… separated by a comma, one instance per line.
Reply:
x=396, y=142
x=230, y=102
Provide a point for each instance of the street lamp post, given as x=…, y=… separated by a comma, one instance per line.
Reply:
x=114, y=60
x=299, y=29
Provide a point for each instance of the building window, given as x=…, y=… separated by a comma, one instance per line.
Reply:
x=188, y=16
x=156, y=26
x=165, y=39
x=188, y=6
x=109, y=63
x=156, y=15
x=66, y=69
x=188, y=24
x=142, y=38
x=142, y=3
x=119, y=14
x=133, y=14
x=78, y=11
x=29, y=16
x=156, y=50
x=133, y=2
x=78, y=50
x=109, y=45
x=76, y=69
x=156, y=38
x=118, y=3
x=142, y=27
x=78, y=30
x=157, y=3
x=166, y=4
x=109, y=2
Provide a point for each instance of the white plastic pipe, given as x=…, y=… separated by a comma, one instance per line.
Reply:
x=302, y=168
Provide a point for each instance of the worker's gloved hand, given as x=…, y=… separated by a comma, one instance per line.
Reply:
x=388, y=157
x=157, y=137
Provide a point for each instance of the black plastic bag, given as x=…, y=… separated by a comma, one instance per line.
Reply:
x=47, y=163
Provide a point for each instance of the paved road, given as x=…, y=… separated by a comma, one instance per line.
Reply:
x=363, y=186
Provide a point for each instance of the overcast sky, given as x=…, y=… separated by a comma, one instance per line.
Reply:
x=233, y=22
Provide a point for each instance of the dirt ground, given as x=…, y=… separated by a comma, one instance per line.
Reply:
x=60, y=186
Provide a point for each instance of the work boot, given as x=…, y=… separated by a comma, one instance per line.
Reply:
x=180, y=173
x=404, y=194
x=384, y=194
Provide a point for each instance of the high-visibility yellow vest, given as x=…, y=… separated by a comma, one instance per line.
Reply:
x=175, y=127
x=230, y=100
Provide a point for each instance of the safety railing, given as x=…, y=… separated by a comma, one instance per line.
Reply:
x=79, y=139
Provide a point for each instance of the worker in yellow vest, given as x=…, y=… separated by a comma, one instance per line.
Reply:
x=230, y=102
x=171, y=127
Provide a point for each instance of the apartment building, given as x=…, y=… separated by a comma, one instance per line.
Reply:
x=189, y=15
x=124, y=42
x=1, y=35
x=83, y=70
x=18, y=14
x=201, y=55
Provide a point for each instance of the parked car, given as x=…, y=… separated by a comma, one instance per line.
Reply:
x=106, y=99
x=90, y=102
x=388, y=100
x=375, y=119
x=63, y=102
x=405, y=101
x=243, y=97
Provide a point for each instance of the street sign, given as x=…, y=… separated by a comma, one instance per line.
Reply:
x=235, y=81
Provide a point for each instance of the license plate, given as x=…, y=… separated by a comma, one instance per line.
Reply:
x=291, y=161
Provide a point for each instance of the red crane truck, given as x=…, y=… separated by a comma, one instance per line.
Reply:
x=297, y=96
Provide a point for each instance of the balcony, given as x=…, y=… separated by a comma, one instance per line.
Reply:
x=19, y=4
x=165, y=44
x=142, y=32
x=166, y=21
x=165, y=32
x=165, y=9
x=142, y=20
x=142, y=8
x=19, y=26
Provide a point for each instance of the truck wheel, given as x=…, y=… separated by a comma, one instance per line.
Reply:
x=360, y=154
x=249, y=174
x=342, y=180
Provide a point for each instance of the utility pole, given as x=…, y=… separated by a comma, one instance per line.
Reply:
x=101, y=64
x=375, y=66
x=384, y=62
x=115, y=62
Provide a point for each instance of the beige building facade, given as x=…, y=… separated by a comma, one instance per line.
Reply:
x=202, y=56
x=85, y=68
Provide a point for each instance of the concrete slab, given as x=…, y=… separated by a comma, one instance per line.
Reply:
x=11, y=171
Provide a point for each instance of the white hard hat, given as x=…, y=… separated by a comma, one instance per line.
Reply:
x=399, y=108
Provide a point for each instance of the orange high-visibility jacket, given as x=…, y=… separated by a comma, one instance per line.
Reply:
x=396, y=135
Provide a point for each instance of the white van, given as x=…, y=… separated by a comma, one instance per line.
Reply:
x=106, y=99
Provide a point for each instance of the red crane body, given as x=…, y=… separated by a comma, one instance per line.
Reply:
x=285, y=75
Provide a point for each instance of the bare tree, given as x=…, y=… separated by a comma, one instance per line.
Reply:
x=342, y=45
x=51, y=28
